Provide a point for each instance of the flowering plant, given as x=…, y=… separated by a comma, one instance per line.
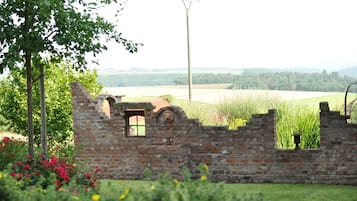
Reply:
x=11, y=150
x=40, y=173
x=50, y=171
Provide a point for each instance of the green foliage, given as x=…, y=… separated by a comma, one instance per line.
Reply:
x=236, y=123
x=168, y=188
x=11, y=150
x=10, y=190
x=58, y=101
x=61, y=29
x=56, y=178
x=301, y=119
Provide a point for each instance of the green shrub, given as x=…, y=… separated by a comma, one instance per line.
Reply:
x=11, y=150
x=167, y=188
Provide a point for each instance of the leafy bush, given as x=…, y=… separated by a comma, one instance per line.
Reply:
x=13, y=104
x=167, y=188
x=11, y=150
x=45, y=172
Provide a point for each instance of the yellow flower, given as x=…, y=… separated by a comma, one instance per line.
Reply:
x=205, y=167
x=95, y=197
x=1, y=175
x=127, y=191
x=176, y=182
x=203, y=178
x=122, y=197
x=152, y=188
x=75, y=197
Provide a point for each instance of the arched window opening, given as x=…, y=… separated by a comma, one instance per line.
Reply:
x=106, y=108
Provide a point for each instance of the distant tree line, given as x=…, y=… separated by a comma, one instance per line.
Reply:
x=276, y=81
x=266, y=80
x=293, y=81
x=207, y=78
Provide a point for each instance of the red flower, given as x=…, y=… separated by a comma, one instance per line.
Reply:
x=58, y=183
x=19, y=163
x=53, y=160
x=6, y=140
x=27, y=175
x=88, y=176
x=97, y=169
x=19, y=175
x=37, y=173
x=27, y=167
x=13, y=174
x=42, y=156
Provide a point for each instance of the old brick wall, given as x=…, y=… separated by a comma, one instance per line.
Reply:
x=247, y=154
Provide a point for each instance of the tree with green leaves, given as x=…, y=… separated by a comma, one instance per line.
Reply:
x=58, y=101
x=32, y=32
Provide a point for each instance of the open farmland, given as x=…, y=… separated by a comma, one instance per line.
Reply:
x=212, y=93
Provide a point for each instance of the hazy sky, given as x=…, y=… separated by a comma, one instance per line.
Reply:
x=238, y=34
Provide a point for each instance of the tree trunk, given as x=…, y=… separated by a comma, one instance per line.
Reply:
x=43, y=111
x=28, y=58
x=29, y=104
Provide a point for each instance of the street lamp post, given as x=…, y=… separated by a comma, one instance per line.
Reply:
x=187, y=4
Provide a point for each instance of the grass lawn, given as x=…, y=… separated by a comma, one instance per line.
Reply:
x=270, y=192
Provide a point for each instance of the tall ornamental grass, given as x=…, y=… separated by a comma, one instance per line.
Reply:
x=291, y=118
x=297, y=119
x=240, y=108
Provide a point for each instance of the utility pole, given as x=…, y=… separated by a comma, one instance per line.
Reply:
x=187, y=4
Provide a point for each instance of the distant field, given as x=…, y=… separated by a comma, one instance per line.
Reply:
x=218, y=92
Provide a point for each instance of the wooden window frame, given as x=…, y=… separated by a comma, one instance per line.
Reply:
x=138, y=127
